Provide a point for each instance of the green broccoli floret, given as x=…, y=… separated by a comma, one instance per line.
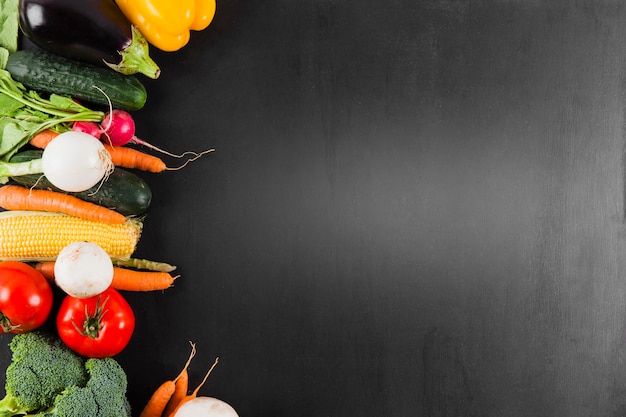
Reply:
x=104, y=395
x=107, y=381
x=42, y=367
x=73, y=401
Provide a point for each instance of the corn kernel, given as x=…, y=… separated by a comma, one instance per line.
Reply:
x=36, y=236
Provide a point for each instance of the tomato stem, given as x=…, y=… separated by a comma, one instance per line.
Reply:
x=6, y=324
x=93, y=323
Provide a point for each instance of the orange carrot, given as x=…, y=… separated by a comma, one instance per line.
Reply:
x=46, y=269
x=156, y=405
x=180, y=391
x=194, y=394
x=43, y=138
x=124, y=279
x=126, y=157
x=131, y=280
x=16, y=197
x=157, y=402
x=182, y=385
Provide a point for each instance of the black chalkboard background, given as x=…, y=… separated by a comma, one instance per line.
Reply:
x=415, y=208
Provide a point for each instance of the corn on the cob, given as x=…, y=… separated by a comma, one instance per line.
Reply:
x=38, y=236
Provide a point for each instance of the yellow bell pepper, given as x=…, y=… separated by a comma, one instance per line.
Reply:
x=166, y=24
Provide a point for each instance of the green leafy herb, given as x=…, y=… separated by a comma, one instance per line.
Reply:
x=4, y=57
x=24, y=113
x=9, y=24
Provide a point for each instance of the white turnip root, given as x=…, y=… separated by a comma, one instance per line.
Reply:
x=83, y=269
x=206, y=407
x=75, y=161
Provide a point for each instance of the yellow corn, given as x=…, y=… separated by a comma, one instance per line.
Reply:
x=37, y=236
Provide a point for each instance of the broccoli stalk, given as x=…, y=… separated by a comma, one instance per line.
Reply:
x=9, y=406
x=41, y=368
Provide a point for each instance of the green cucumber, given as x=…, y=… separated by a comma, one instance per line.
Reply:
x=46, y=72
x=123, y=191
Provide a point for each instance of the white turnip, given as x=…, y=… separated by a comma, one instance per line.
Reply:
x=206, y=407
x=75, y=161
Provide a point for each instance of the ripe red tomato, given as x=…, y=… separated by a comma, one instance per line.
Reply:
x=96, y=327
x=25, y=298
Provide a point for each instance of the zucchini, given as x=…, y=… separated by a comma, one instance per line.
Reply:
x=123, y=191
x=46, y=72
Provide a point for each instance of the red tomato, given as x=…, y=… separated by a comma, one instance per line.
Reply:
x=96, y=327
x=25, y=298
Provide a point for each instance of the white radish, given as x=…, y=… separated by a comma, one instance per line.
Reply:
x=75, y=161
x=206, y=407
x=83, y=269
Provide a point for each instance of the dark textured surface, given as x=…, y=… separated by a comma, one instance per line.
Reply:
x=415, y=208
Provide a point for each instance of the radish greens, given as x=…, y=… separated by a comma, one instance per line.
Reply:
x=24, y=113
x=9, y=25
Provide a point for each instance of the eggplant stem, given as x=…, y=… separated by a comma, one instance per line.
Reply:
x=136, y=58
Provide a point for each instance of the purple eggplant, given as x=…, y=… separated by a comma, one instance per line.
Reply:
x=94, y=31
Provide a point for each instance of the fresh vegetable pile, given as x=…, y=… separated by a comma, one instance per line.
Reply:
x=71, y=206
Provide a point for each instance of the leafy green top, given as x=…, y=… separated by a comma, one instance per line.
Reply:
x=24, y=113
x=9, y=27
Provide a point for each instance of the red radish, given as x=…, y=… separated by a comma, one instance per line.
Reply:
x=119, y=128
x=91, y=128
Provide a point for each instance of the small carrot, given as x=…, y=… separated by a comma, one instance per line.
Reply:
x=194, y=394
x=180, y=391
x=130, y=280
x=126, y=157
x=123, y=279
x=43, y=138
x=17, y=197
x=182, y=385
x=156, y=405
x=157, y=402
x=46, y=269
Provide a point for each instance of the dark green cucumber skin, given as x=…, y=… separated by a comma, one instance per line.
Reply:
x=123, y=191
x=50, y=73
